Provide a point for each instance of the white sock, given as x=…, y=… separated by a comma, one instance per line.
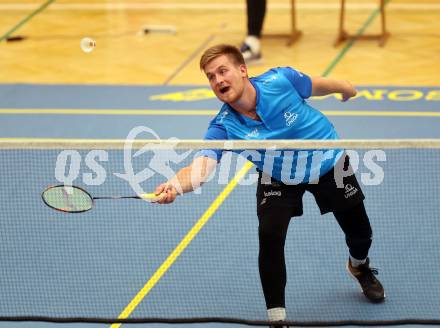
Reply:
x=253, y=42
x=276, y=314
x=355, y=262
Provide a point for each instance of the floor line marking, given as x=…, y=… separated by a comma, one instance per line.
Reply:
x=26, y=19
x=202, y=112
x=183, y=244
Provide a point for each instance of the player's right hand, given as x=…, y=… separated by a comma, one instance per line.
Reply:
x=166, y=193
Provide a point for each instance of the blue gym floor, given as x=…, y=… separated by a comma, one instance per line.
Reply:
x=104, y=257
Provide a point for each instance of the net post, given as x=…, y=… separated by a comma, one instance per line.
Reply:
x=295, y=33
x=343, y=35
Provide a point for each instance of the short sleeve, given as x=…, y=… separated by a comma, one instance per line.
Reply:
x=215, y=132
x=300, y=81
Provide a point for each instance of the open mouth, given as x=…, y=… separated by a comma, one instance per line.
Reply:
x=223, y=90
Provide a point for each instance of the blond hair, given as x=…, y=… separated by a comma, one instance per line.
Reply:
x=219, y=50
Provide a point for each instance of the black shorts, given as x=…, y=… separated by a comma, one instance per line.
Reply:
x=328, y=195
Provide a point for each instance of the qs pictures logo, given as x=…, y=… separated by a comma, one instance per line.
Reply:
x=159, y=159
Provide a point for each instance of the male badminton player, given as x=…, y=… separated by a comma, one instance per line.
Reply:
x=273, y=106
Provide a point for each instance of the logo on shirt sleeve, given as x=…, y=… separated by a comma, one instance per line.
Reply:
x=222, y=116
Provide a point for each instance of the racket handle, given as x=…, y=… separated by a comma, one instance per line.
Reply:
x=151, y=196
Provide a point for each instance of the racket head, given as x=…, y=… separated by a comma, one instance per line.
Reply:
x=68, y=199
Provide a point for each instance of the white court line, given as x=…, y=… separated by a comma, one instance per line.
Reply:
x=205, y=6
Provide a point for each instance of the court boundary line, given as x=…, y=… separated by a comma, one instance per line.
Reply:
x=202, y=112
x=243, y=171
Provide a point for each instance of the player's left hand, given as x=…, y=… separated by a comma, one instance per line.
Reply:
x=349, y=91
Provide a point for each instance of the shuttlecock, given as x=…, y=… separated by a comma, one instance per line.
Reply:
x=87, y=44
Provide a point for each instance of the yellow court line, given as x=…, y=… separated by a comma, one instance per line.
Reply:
x=201, y=112
x=380, y=113
x=182, y=245
x=183, y=112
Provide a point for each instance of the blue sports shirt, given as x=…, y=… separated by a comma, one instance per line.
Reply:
x=284, y=114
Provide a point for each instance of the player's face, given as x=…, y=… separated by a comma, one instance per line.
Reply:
x=227, y=79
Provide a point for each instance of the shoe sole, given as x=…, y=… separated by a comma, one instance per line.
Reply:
x=360, y=287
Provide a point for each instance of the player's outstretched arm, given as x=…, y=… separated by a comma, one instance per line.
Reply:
x=186, y=180
x=322, y=86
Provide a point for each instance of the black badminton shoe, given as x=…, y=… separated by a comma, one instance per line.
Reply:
x=366, y=277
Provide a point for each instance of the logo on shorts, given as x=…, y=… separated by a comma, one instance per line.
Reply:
x=349, y=191
x=290, y=118
x=272, y=193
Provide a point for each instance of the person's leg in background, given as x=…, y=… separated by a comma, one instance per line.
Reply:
x=251, y=46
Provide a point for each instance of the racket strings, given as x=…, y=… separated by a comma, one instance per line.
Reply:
x=68, y=199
